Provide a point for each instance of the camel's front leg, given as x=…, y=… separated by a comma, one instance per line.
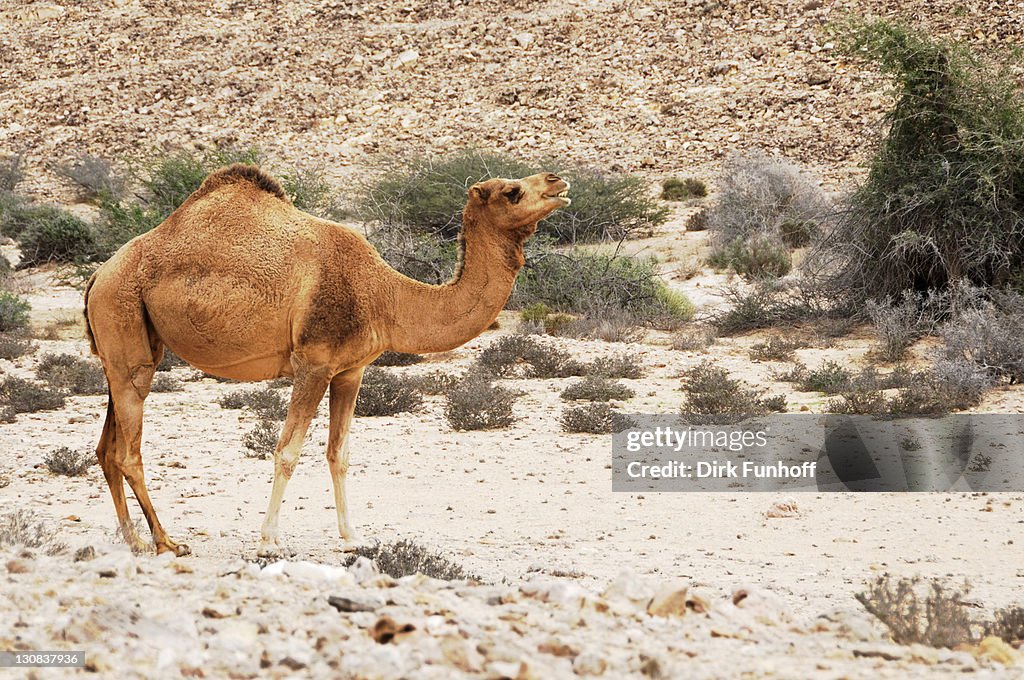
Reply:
x=344, y=389
x=307, y=391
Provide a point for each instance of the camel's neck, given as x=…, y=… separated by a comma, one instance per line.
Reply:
x=440, y=318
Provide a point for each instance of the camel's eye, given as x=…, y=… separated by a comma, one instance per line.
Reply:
x=514, y=194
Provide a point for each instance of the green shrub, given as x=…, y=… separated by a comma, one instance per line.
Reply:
x=540, y=360
x=713, y=397
x=55, y=236
x=767, y=303
x=13, y=312
x=422, y=257
x=72, y=373
x=64, y=461
x=943, y=199
x=675, y=189
x=384, y=393
x=755, y=257
x=595, y=418
x=579, y=282
x=429, y=195
x=476, y=403
x=21, y=396
x=597, y=388
x=309, y=191
x=830, y=378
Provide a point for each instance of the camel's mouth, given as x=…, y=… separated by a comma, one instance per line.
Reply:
x=561, y=196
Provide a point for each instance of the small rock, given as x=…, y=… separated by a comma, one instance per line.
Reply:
x=459, y=653
x=355, y=604
x=670, y=600
x=786, y=507
x=524, y=40
x=364, y=570
x=220, y=611
x=589, y=663
x=17, y=566
x=405, y=59
x=996, y=649
x=508, y=669
x=556, y=647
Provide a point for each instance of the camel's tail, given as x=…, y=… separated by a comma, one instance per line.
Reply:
x=88, y=327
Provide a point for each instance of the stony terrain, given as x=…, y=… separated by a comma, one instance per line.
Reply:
x=575, y=580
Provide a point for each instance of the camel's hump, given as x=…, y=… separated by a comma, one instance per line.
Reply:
x=241, y=172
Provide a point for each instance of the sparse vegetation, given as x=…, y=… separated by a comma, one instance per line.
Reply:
x=542, y=361
x=596, y=388
x=1007, y=625
x=267, y=403
x=594, y=418
x=72, y=373
x=620, y=365
x=54, y=235
x=165, y=383
x=756, y=256
x=96, y=175
x=15, y=345
x=13, y=312
x=406, y=557
x=713, y=397
x=69, y=463
x=22, y=396
x=899, y=325
x=25, y=529
x=830, y=378
x=774, y=348
x=428, y=195
x=10, y=172
x=675, y=189
x=384, y=393
x=937, y=617
x=988, y=336
x=696, y=338
x=768, y=303
x=476, y=403
x=261, y=442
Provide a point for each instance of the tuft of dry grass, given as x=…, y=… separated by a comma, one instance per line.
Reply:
x=476, y=403
x=936, y=617
x=69, y=463
x=406, y=557
x=25, y=529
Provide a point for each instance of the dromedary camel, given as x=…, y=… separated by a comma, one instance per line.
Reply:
x=243, y=285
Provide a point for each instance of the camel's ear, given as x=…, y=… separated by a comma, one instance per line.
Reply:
x=480, y=193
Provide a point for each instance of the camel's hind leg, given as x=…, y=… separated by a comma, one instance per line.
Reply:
x=106, y=453
x=344, y=389
x=308, y=389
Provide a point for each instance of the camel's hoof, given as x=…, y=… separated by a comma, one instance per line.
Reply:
x=179, y=549
x=357, y=544
x=275, y=551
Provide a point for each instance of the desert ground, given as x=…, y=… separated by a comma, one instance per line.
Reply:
x=571, y=578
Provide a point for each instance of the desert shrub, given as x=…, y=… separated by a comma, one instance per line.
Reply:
x=22, y=396
x=384, y=393
x=436, y=382
x=698, y=221
x=25, y=529
x=694, y=338
x=407, y=557
x=675, y=189
x=950, y=385
x=774, y=348
x=476, y=403
x=165, y=383
x=620, y=365
x=541, y=360
x=267, y=403
x=13, y=312
x=713, y=397
x=429, y=194
x=597, y=388
x=170, y=360
x=595, y=285
x=943, y=197
x=55, y=235
x=937, y=617
x=419, y=256
x=10, y=172
x=756, y=256
x=64, y=461
x=595, y=418
x=765, y=205
x=988, y=336
x=15, y=345
x=610, y=326
x=397, y=359
x=96, y=175
x=900, y=324
x=68, y=372
x=830, y=378
x=261, y=442
x=767, y=303
x=1008, y=624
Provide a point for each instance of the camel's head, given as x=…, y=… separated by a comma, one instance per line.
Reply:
x=515, y=204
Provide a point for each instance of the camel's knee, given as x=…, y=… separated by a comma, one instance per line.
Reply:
x=285, y=461
x=142, y=379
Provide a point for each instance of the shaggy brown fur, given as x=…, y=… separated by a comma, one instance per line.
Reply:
x=242, y=285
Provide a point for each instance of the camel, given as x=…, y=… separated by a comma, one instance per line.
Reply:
x=241, y=284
